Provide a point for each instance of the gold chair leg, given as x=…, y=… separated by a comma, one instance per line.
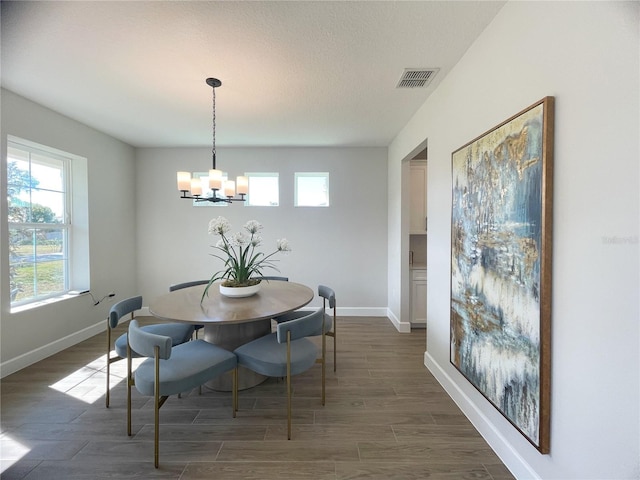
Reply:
x=234, y=394
x=289, y=385
x=156, y=413
x=129, y=383
x=324, y=364
x=108, y=361
x=335, y=345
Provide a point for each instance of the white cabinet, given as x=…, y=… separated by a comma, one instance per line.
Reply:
x=418, y=297
x=418, y=198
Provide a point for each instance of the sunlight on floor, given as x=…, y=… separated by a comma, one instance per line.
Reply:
x=12, y=452
x=88, y=383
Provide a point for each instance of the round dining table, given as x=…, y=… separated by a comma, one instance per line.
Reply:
x=229, y=321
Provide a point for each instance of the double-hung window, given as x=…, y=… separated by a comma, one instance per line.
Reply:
x=39, y=221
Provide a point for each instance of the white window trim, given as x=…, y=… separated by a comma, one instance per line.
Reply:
x=76, y=219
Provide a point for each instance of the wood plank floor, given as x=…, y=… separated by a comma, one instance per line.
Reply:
x=385, y=418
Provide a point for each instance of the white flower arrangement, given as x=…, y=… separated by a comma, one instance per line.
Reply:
x=242, y=263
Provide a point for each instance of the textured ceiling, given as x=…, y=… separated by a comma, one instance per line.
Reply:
x=293, y=73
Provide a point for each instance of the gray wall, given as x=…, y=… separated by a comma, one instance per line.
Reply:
x=586, y=54
x=36, y=333
x=343, y=246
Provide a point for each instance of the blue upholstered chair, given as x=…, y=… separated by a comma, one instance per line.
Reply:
x=170, y=370
x=193, y=283
x=285, y=352
x=330, y=326
x=179, y=286
x=178, y=332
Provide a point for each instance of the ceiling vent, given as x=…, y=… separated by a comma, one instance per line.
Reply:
x=417, y=77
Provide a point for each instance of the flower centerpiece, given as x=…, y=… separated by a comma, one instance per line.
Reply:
x=243, y=265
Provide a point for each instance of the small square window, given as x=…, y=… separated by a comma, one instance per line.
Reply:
x=263, y=190
x=311, y=189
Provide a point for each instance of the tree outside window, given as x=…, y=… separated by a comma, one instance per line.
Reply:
x=37, y=219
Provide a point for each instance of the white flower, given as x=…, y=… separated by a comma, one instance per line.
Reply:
x=283, y=245
x=256, y=240
x=243, y=265
x=239, y=239
x=253, y=226
x=219, y=226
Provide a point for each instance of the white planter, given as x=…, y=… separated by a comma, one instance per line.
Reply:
x=239, y=292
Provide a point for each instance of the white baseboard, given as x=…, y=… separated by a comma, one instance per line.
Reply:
x=29, y=358
x=342, y=311
x=402, y=327
x=510, y=457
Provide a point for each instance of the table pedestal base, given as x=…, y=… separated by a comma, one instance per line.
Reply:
x=230, y=336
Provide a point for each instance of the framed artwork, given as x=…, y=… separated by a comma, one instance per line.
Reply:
x=501, y=221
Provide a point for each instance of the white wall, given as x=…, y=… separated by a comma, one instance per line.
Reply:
x=343, y=246
x=586, y=54
x=34, y=334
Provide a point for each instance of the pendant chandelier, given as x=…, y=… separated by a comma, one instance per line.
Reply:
x=192, y=188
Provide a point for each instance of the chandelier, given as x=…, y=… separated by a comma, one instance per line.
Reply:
x=221, y=190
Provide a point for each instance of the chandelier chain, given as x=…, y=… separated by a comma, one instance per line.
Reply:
x=213, y=149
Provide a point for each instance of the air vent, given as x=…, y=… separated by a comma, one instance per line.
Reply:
x=417, y=77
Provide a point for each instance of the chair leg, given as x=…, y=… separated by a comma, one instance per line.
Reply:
x=234, y=393
x=108, y=362
x=289, y=385
x=324, y=364
x=335, y=345
x=156, y=413
x=129, y=384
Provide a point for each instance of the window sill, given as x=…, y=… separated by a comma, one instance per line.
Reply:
x=41, y=303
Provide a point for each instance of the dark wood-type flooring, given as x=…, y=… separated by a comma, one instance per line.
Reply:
x=385, y=418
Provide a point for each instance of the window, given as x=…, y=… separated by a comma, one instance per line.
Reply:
x=312, y=189
x=39, y=222
x=263, y=190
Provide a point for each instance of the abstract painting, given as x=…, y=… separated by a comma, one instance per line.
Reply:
x=501, y=267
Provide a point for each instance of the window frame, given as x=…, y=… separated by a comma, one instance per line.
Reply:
x=251, y=175
x=299, y=175
x=31, y=149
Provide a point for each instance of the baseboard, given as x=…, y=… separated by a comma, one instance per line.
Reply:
x=342, y=311
x=498, y=443
x=402, y=327
x=29, y=358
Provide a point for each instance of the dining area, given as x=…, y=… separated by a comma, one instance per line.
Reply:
x=234, y=309
x=237, y=349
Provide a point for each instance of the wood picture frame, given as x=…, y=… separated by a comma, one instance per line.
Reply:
x=501, y=232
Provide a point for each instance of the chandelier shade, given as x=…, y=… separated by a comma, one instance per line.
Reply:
x=217, y=188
